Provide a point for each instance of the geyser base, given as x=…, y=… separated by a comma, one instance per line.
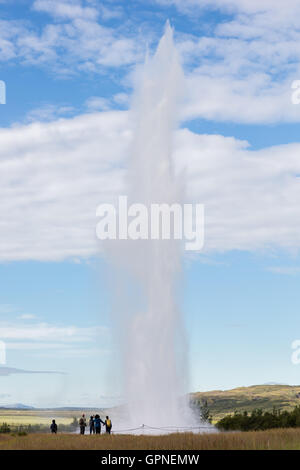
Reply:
x=145, y=430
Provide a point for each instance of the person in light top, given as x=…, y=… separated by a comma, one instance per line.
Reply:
x=108, y=425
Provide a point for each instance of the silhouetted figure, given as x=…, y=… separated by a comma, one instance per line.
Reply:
x=92, y=425
x=108, y=425
x=82, y=424
x=53, y=427
x=98, y=422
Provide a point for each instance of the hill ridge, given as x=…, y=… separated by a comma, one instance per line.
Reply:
x=266, y=397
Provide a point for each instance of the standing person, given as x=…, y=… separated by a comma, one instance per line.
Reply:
x=53, y=427
x=98, y=422
x=108, y=425
x=82, y=424
x=92, y=425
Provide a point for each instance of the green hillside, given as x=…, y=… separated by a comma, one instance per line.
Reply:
x=266, y=397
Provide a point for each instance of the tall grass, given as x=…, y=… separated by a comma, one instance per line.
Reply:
x=276, y=439
x=6, y=428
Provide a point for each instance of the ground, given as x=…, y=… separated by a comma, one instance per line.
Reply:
x=261, y=440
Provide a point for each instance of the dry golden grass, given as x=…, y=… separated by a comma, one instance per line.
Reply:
x=20, y=420
x=261, y=440
x=43, y=417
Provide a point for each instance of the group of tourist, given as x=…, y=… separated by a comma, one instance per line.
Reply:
x=94, y=424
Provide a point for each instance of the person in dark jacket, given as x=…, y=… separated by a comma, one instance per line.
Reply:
x=108, y=425
x=82, y=424
x=53, y=427
x=92, y=425
x=98, y=421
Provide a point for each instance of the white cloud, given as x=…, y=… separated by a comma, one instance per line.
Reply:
x=70, y=9
x=251, y=197
x=241, y=79
x=286, y=270
x=48, y=112
x=48, y=332
x=26, y=316
x=65, y=9
x=53, y=341
x=243, y=69
x=7, y=308
x=248, y=6
x=9, y=31
x=121, y=99
x=256, y=100
x=74, y=40
x=241, y=72
x=98, y=103
x=6, y=371
x=36, y=346
x=110, y=12
x=54, y=175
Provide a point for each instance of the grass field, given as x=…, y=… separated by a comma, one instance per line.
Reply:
x=288, y=439
x=43, y=417
x=25, y=419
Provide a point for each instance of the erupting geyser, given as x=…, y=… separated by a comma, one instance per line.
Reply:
x=149, y=318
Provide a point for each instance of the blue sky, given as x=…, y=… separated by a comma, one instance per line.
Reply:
x=70, y=69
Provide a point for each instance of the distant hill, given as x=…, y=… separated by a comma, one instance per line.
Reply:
x=20, y=406
x=17, y=406
x=223, y=402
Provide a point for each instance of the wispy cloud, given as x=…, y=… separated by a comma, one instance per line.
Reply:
x=45, y=331
x=7, y=308
x=49, y=112
x=52, y=341
x=98, y=103
x=241, y=6
x=285, y=270
x=75, y=39
x=240, y=70
x=5, y=371
x=26, y=316
x=65, y=9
